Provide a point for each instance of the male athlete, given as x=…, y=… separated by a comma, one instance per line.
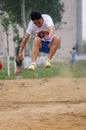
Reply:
x=45, y=40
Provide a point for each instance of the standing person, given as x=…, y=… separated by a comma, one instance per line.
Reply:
x=45, y=40
x=73, y=58
x=18, y=61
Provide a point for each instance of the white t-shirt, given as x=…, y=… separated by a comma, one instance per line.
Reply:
x=47, y=23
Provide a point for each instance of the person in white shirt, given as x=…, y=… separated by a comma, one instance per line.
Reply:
x=45, y=40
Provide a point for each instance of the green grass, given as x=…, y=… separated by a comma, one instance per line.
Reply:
x=59, y=69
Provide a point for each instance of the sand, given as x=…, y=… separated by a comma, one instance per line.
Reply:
x=43, y=104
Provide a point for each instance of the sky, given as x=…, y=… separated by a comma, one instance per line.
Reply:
x=84, y=19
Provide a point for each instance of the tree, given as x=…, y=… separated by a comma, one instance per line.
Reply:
x=19, y=10
x=5, y=23
x=14, y=7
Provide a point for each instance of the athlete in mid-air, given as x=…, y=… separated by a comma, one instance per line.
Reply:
x=45, y=40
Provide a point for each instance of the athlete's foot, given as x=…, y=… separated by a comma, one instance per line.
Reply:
x=48, y=64
x=32, y=67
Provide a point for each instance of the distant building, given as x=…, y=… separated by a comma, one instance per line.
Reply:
x=70, y=31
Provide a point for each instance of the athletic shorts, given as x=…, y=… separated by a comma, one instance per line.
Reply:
x=18, y=63
x=44, y=47
x=73, y=59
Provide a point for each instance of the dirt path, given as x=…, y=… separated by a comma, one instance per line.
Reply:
x=43, y=104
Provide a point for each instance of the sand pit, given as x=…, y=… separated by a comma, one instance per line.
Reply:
x=43, y=104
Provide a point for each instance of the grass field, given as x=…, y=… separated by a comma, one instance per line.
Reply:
x=60, y=69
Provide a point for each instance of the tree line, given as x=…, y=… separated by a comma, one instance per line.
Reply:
x=19, y=12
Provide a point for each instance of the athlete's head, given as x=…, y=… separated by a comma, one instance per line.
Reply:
x=37, y=18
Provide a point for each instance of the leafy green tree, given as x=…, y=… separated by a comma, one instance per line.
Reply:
x=52, y=7
x=19, y=10
x=14, y=7
x=5, y=23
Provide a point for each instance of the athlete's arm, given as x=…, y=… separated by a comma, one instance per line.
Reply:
x=51, y=33
x=24, y=41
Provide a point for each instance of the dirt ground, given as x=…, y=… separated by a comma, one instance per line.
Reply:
x=43, y=104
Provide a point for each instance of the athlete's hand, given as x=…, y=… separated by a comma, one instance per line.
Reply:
x=47, y=37
x=49, y=33
x=20, y=56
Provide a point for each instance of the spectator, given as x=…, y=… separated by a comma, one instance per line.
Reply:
x=18, y=61
x=73, y=58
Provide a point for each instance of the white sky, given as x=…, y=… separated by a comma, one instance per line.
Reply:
x=84, y=19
